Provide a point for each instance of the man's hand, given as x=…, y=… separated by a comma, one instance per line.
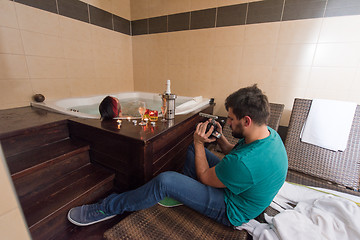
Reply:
x=200, y=134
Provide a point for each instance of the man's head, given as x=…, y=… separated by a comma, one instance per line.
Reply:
x=109, y=108
x=244, y=106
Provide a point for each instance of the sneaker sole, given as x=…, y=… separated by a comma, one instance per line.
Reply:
x=87, y=224
x=170, y=206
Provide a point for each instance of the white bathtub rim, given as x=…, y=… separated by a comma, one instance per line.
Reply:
x=62, y=105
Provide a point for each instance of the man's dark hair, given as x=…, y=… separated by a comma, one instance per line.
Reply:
x=108, y=108
x=249, y=101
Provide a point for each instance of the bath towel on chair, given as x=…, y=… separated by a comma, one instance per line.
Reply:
x=328, y=124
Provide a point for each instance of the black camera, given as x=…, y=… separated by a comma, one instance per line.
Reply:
x=215, y=133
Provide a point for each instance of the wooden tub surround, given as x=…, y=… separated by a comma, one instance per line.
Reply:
x=58, y=162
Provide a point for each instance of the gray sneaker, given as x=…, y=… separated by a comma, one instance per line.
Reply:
x=87, y=214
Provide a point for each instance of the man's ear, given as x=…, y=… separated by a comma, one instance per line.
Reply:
x=247, y=121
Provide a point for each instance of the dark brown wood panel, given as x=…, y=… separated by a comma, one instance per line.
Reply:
x=52, y=200
x=57, y=225
x=35, y=137
x=43, y=157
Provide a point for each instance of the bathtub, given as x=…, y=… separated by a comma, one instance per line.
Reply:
x=87, y=107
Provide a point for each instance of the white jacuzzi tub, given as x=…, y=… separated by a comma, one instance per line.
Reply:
x=88, y=107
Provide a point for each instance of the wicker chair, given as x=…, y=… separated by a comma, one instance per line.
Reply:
x=316, y=166
x=276, y=111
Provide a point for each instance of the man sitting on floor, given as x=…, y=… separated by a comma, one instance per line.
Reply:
x=232, y=190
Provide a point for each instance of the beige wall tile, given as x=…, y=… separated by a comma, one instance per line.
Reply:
x=15, y=92
x=265, y=33
x=125, y=75
x=295, y=54
x=38, y=44
x=123, y=55
x=139, y=9
x=178, y=6
x=202, y=38
x=102, y=4
x=158, y=41
x=200, y=78
x=141, y=77
x=46, y=67
x=83, y=87
x=35, y=20
x=233, y=2
x=10, y=41
x=158, y=56
x=249, y=75
x=178, y=56
x=263, y=54
x=230, y=36
x=337, y=55
x=326, y=78
x=179, y=39
x=8, y=14
x=73, y=29
x=200, y=56
x=103, y=53
x=289, y=76
x=340, y=29
x=105, y=69
x=13, y=66
x=227, y=56
x=121, y=8
x=118, y=7
x=12, y=226
x=300, y=31
x=79, y=68
x=8, y=200
x=76, y=49
x=157, y=76
x=52, y=89
x=102, y=36
x=179, y=76
x=157, y=8
x=202, y=4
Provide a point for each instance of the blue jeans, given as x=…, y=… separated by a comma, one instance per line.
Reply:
x=185, y=188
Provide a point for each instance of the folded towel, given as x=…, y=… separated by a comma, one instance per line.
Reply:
x=328, y=124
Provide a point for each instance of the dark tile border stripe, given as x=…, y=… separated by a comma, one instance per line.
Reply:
x=231, y=15
x=47, y=5
x=158, y=24
x=179, y=22
x=74, y=9
x=203, y=19
x=100, y=18
x=247, y=13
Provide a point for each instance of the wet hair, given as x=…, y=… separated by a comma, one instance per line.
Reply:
x=109, y=108
x=249, y=101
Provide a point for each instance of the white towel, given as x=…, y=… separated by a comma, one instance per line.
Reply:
x=328, y=124
x=317, y=215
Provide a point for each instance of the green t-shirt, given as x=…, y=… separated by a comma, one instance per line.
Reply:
x=253, y=174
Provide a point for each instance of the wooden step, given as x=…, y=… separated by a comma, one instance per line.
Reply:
x=46, y=211
x=27, y=139
x=43, y=157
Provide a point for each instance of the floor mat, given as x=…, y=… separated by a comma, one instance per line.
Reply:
x=175, y=223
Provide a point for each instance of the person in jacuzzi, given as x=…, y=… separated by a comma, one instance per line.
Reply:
x=231, y=191
x=110, y=108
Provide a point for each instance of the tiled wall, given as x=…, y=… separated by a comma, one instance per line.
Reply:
x=292, y=48
x=12, y=223
x=52, y=49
